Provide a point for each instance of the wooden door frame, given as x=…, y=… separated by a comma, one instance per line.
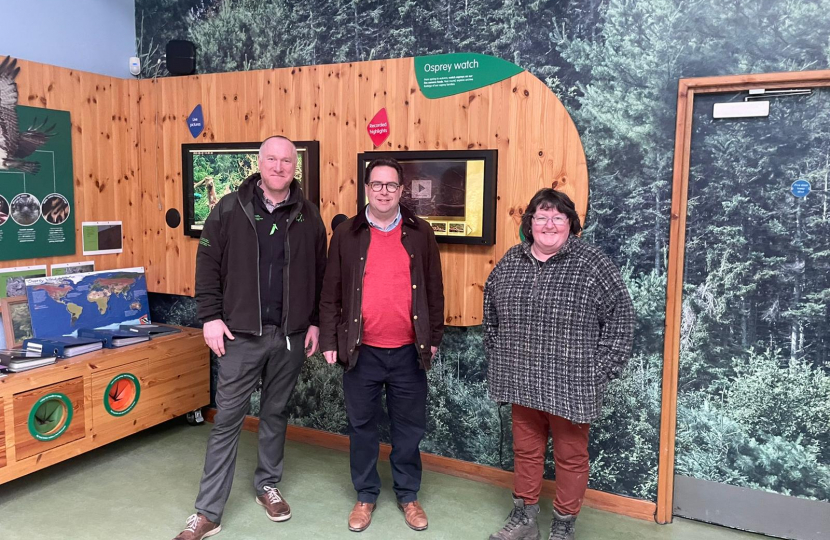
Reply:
x=686, y=92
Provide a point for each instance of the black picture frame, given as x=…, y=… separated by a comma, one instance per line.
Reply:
x=309, y=163
x=488, y=209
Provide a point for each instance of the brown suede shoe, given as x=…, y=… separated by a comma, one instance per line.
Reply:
x=198, y=527
x=415, y=516
x=361, y=516
x=275, y=506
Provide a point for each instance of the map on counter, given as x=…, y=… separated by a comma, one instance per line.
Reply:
x=60, y=305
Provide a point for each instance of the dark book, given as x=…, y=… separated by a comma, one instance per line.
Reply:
x=63, y=346
x=112, y=339
x=151, y=330
x=16, y=360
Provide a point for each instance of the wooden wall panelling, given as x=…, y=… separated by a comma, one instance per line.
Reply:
x=176, y=103
x=125, y=130
x=150, y=162
x=104, y=152
x=333, y=104
x=338, y=162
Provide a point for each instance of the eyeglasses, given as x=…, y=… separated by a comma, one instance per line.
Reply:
x=391, y=187
x=556, y=220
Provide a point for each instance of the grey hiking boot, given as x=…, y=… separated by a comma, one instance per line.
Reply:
x=562, y=526
x=521, y=523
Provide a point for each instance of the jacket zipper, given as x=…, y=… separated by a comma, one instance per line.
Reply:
x=259, y=292
x=292, y=215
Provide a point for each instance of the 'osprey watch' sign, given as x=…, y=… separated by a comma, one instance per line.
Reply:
x=445, y=75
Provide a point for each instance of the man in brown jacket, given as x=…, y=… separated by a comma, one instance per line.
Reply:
x=383, y=302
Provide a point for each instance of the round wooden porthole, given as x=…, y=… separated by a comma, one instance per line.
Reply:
x=122, y=394
x=50, y=417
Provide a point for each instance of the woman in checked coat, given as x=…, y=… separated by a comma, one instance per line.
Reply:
x=558, y=325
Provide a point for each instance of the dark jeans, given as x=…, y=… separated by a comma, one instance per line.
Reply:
x=247, y=359
x=399, y=372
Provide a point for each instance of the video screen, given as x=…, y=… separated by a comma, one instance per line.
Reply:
x=212, y=170
x=215, y=174
x=454, y=191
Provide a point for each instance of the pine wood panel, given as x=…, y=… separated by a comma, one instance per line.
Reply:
x=127, y=138
x=26, y=445
x=537, y=142
x=105, y=148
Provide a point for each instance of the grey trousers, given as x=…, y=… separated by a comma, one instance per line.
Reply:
x=247, y=358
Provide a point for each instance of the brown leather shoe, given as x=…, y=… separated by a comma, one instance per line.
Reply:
x=198, y=527
x=415, y=516
x=361, y=516
x=275, y=506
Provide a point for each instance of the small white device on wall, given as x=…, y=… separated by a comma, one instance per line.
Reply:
x=135, y=65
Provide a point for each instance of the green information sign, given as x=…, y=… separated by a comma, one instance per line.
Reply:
x=36, y=189
x=90, y=237
x=445, y=75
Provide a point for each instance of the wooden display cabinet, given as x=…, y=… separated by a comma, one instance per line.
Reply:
x=52, y=413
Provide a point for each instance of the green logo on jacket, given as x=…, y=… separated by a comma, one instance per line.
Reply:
x=204, y=242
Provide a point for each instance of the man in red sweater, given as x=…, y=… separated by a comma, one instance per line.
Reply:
x=382, y=318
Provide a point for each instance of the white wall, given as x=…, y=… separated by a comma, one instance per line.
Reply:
x=88, y=35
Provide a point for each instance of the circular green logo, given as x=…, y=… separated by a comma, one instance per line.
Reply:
x=122, y=394
x=50, y=417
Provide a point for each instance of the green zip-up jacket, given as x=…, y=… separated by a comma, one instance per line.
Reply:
x=227, y=269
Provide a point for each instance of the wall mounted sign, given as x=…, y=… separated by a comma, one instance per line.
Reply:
x=444, y=75
x=378, y=128
x=37, y=193
x=102, y=237
x=800, y=188
x=196, y=121
x=72, y=268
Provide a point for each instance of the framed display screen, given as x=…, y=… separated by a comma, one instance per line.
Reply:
x=212, y=170
x=453, y=190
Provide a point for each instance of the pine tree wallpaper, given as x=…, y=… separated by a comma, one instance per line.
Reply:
x=754, y=405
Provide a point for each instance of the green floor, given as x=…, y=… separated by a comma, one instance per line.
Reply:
x=143, y=488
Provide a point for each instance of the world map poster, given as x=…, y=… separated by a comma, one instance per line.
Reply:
x=61, y=305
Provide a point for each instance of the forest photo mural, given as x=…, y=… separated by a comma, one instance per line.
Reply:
x=615, y=65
